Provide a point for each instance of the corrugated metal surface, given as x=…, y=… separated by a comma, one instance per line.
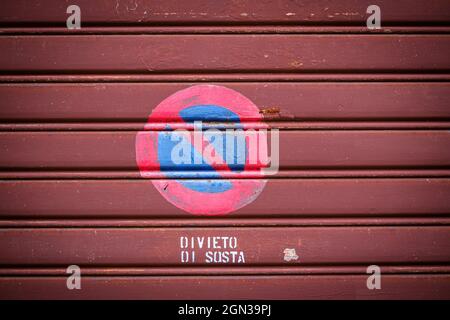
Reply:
x=364, y=120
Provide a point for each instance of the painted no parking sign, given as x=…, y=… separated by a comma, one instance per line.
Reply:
x=202, y=170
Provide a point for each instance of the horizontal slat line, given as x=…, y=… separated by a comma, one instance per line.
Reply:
x=283, y=174
x=228, y=77
x=260, y=245
x=258, y=270
x=342, y=221
x=231, y=53
x=236, y=230
x=224, y=29
x=281, y=198
x=201, y=12
x=284, y=125
x=106, y=150
x=290, y=103
x=228, y=287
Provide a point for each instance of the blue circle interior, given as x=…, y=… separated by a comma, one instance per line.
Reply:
x=209, y=113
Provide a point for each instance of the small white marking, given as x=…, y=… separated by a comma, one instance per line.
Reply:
x=290, y=254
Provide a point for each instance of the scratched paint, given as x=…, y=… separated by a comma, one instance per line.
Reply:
x=208, y=193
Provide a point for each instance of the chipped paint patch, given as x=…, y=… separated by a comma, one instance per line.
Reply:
x=290, y=254
x=271, y=111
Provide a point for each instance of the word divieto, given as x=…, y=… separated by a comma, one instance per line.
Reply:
x=219, y=249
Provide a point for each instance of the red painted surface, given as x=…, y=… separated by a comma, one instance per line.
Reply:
x=333, y=149
x=337, y=287
x=43, y=104
x=282, y=198
x=364, y=123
